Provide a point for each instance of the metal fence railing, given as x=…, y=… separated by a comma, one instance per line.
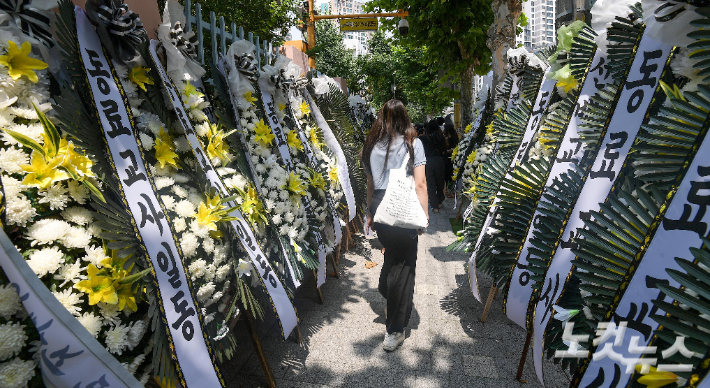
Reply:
x=218, y=36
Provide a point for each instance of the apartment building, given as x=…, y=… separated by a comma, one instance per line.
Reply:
x=540, y=31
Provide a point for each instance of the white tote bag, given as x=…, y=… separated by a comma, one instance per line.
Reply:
x=400, y=206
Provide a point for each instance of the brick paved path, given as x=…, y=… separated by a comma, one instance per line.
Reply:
x=446, y=345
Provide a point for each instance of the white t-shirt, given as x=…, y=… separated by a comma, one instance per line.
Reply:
x=398, y=152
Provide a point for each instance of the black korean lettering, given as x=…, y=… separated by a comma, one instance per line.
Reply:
x=547, y=298
x=202, y=159
x=41, y=328
x=568, y=156
x=268, y=272
x=97, y=70
x=571, y=243
x=652, y=282
x=153, y=217
x=685, y=223
x=110, y=111
x=132, y=170
x=163, y=263
x=606, y=169
x=635, y=321
x=100, y=383
x=524, y=277
x=188, y=330
x=56, y=359
x=646, y=70
x=600, y=68
x=542, y=104
x=184, y=122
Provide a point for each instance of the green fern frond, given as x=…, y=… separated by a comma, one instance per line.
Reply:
x=623, y=36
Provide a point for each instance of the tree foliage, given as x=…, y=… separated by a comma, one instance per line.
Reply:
x=269, y=19
x=416, y=81
x=333, y=58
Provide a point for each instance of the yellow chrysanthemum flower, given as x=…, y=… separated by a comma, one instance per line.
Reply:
x=305, y=108
x=468, y=128
x=471, y=157
x=454, y=153
x=165, y=150
x=139, y=76
x=249, y=98
x=294, y=141
x=317, y=180
x=263, y=133
x=294, y=184
x=655, y=378
x=98, y=287
x=217, y=147
x=19, y=63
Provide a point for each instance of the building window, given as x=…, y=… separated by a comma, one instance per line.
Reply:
x=549, y=33
x=550, y=9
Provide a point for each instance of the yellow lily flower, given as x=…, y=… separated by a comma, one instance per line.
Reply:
x=305, y=108
x=191, y=89
x=263, y=133
x=98, y=287
x=217, y=147
x=655, y=378
x=165, y=150
x=139, y=75
x=471, y=157
x=206, y=213
x=19, y=63
x=454, y=153
x=333, y=174
x=468, y=128
x=42, y=173
x=75, y=162
x=282, y=107
x=317, y=180
x=249, y=98
x=313, y=138
x=251, y=206
x=294, y=184
x=565, y=79
x=294, y=141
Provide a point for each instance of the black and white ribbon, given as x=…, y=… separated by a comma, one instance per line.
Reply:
x=185, y=41
x=246, y=65
x=121, y=21
x=33, y=22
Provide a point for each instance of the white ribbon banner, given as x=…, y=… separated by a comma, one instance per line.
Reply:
x=282, y=145
x=515, y=94
x=283, y=307
x=541, y=102
x=194, y=359
x=69, y=355
x=681, y=228
x=334, y=146
x=568, y=156
x=635, y=97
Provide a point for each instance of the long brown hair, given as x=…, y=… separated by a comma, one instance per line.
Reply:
x=393, y=120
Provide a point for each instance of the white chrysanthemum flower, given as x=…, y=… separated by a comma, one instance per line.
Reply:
x=133, y=367
x=147, y=141
x=9, y=301
x=202, y=129
x=220, y=253
x=109, y=312
x=197, y=268
x=11, y=186
x=78, y=192
x=12, y=340
x=292, y=233
x=69, y=300
x=16, y=373
x=168, y=201
x=92, y=323
x=19, y=210
x=56, y=197
x=70, y=273
x=205, y=292
x=46, y=231
x=179, y=224
x=223, y=272
x=195, y=197
x=94, y=255
x=76, y=237
x=189, y=244
x=210, y=272
x=117, y=339
x=77, y=215
x=180, y=178
x=136, y=333
x=11, y=159
x=283, y=195
x=201, y=231
x=208, y=244
x=185, y=208
x=45, y=260
x=179, y=191
x=182, y=145
x=163, y=182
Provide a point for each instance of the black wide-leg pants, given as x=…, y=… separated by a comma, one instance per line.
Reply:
x=398, y=271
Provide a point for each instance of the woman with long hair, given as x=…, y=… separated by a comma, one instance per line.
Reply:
x=390, y=142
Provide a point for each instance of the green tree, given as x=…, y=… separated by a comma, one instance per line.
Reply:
x=416, y=82
x=333, y=58
x=269, y=19
x=454, y=34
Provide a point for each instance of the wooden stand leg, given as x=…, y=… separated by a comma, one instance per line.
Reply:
x=458, y=216
x=299, y=337
x=320, y=294
x=260, y=351
x=523, y=356
x=489, y=302
x=337, y=254
x=334, y=264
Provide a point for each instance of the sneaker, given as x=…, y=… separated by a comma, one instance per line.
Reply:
x=392, y=341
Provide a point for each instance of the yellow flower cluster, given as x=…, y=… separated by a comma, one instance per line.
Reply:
x=111, y=284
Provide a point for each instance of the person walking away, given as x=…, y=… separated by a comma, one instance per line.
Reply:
x=452, y=140
x=434, y=148
x=390, y=142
